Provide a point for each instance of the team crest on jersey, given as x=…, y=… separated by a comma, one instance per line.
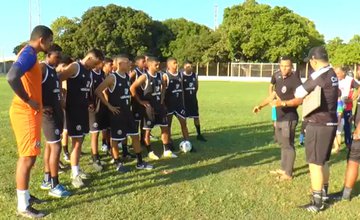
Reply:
x=334, y=81
x=119, y=84
x=83, y=75
x=57, y=131
x=52, y=75
x=78, y=127
x=177, y=86
x=283, y=89
x=95, y=125
x=171, y=81
x=191, y=84
x=137, y=115
x=194, y=79
x=148, y=123
x=119, y=132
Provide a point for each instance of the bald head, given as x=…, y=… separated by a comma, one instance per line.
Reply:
x=121, y=63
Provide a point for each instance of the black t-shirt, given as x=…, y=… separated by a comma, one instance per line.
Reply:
x=327, y=80
x=285, y=90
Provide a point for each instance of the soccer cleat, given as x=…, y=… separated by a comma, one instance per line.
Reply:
x=67, y=157
x=83, y=175
x=77, y=182
x=34, y=200
x=105, y=148
x=200, y=138
x=169, y=154
x=45, y=185
x=153, y=156
x=311, y=207
x=97, y=166
x=121, y=168
x=30, y=212
x=285, y=177
x=144, y=166
x=59, y=192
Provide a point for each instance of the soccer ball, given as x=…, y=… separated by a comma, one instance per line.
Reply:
x=185, y=146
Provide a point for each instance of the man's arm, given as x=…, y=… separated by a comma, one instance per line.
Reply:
x=69, y=71
x=107, y=83
x=24, y=63
x=138, y=83
x=265, y=102
x=132, y=75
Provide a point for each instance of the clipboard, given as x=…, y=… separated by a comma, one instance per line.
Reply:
x=311, y=102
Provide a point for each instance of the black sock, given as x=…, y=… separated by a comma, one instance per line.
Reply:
x=139, y=158
x=66, y=150
x=117, y=161
x=95, y=157
x=198, y=131
x=167, y=146
x=317, y=196
x=326, y=188
x=125, y=150
x=47, y=177
x=104, y=141
x=54, y=181
x=148, y=148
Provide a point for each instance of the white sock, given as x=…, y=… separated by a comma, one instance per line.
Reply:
x=23, y=197
x=75, y=170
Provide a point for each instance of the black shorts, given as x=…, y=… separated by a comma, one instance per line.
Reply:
x=178, y=111
x=159, y=119
x=354, y=153
x=192, y=109
x=99, y=121
x=138, y=111
x=318, y=143
x=122, y=125
x=52, y=125
x=77, y=121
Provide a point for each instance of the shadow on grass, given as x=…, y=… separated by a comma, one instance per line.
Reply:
x=227, y=148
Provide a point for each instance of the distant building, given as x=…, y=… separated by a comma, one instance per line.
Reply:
x=5, y=64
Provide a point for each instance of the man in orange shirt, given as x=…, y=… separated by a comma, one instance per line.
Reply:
x=25, y=79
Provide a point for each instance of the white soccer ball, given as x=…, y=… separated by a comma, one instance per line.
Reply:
x=185, y=146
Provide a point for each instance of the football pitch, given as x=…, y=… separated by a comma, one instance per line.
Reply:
x=228, y=178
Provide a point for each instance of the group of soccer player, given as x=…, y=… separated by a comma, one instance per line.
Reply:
x=321, y=124
x=69, y=99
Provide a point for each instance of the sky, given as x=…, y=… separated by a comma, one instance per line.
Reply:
x=332, y=18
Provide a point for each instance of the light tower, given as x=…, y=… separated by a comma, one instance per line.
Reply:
x=215, y=17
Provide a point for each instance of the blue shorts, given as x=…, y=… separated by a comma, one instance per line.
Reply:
x=273, y=113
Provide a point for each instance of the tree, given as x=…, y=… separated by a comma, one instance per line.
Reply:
x=17, y=49
x=257, y=32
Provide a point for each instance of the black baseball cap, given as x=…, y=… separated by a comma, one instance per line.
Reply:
x=318, y=53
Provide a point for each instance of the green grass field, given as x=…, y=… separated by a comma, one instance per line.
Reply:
x=228, y=178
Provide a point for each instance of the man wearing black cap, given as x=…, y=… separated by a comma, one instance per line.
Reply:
x=285, y=82
x=321, y=127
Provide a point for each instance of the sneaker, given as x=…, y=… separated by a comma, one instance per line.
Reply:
x=339, y=196
x=59, y=192
x=97, y=166
x=144, y=166
x=105, y=148
x=153, y=156
x=83, y=175
x=77, y=182
x=45, y=185
x=201, y=138
x=34, y=200
x=67, y=157
x=121, y=168
x=169, y=154
x=312, y=207
x=30, y=212
x=285, y=177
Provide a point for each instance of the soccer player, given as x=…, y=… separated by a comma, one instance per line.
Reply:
x=52, y=122
x=155, y=114
x=25, y=79
x=122, y=122
x=107, y=69
x=352, y=169
x=97, y=114
x=340, y=111
x=174, y=100
x=285, y=83
x=78, y=76
x=347, y=85
x=64, y=62
x=321, y=124
x=191, y=87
